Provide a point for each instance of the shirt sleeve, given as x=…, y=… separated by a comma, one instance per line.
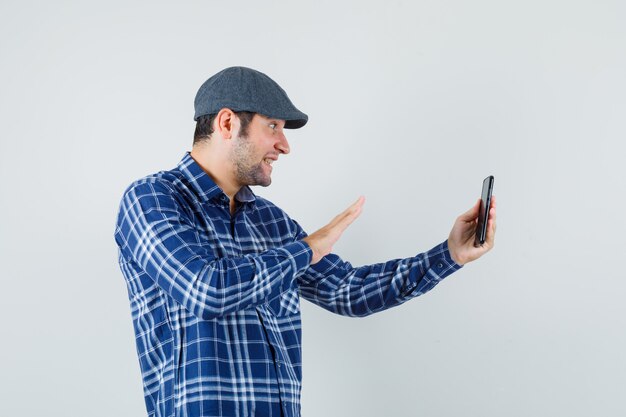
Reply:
x=155, y=232
x=337, y=286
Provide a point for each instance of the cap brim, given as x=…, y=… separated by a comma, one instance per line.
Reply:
x=296, y=123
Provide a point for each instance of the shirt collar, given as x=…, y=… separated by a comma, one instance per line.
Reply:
x=204, y=185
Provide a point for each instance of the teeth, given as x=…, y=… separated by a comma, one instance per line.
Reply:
x=268, y=161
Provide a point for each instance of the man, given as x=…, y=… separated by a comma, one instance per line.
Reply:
x=215, y=273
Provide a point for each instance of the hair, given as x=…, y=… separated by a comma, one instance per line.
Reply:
x=204, y=126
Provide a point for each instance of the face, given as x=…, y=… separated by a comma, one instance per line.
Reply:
x=252, y=155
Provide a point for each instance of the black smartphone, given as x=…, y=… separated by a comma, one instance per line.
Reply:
x=483, y=215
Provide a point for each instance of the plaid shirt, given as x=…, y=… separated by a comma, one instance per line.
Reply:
x=215, y=298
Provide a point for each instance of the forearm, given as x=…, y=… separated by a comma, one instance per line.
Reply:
x=338, y=287
x=160, y=238
x=213, y=288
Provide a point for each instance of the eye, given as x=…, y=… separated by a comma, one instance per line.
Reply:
x=273, y=126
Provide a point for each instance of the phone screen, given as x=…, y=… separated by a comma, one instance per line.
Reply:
x=483, y=215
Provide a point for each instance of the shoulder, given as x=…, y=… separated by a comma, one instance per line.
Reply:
x=264, y=206
x=171, y=181
x=161, y=181
x=271, y=213
x=156, y=187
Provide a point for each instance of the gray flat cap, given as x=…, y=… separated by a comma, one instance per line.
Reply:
x=245, y=89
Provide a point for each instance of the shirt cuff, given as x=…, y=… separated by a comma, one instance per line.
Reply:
x=440, y=260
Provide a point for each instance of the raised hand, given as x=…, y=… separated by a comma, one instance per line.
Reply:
x=322, y=241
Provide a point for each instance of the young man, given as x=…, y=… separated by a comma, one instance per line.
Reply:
x=215, y=273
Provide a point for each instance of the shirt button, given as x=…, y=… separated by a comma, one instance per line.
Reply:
x=439, y=265
x=278, y=363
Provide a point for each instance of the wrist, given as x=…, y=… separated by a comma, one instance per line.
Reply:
x=455, y=256
x=314, y=252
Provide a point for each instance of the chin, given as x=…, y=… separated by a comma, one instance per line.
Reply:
x=260, y=181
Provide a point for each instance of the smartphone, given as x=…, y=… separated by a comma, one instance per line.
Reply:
x=483, y=215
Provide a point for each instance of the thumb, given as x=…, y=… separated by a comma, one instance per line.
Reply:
x=472, y=213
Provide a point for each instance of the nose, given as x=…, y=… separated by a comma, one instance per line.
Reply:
x=282, y=145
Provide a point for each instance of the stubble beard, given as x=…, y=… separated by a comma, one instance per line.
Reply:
x=247, y=171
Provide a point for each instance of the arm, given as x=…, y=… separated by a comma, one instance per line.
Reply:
x=338, y=287
x=335, y=285
x=158, y=235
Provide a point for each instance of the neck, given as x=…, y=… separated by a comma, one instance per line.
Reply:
x=213, y=164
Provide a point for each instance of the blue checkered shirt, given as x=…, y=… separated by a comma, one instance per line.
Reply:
x=215, y=298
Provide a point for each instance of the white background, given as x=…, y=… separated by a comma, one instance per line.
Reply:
x=412, y=104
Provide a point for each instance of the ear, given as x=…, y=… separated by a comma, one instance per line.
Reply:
x=224, y=123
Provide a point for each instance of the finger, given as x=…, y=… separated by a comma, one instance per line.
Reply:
x=472, y=213
x=491, y=227
x=354, y=211
x=493, y=202
x=353, y=208
x=358, y=203
x=349, y=215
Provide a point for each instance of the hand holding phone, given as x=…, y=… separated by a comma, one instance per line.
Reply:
x=483, y=214
x=473, y=232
